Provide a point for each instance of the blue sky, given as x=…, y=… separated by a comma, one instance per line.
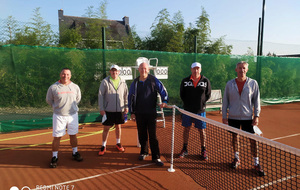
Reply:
x=235, y=19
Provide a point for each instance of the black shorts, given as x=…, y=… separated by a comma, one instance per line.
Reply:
x=245, y=125
x=114, y=118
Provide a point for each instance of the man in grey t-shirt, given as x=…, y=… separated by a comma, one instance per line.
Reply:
x=64, y=96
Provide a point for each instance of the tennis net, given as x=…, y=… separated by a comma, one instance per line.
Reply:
x=281, y=163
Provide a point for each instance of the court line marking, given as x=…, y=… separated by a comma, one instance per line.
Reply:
x=20, y=137
x=274, y=139
x=95, y=176
x=33, y=145
x=33, y=135
x=274, y=182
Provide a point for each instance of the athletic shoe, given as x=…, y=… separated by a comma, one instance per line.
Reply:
x=143, y=156
x=77, y=157
x=236, y=162
x=259, y=171
x=158, y=162
x=204, y=155
x=183, y=153
x=53, y=163
x=102, y=151
x=120, y=147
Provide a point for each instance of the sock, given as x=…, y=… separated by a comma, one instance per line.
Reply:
x=74, y=150
x=54, y=154
x=118, y=141
x=104, y=143
x=256, y=162
x=236, y=155
x=203, y=148
x=185, y=146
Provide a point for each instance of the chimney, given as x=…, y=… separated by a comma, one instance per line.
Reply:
x=126, y=20
x=60, y=14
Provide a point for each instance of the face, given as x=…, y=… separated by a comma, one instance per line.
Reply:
x=65, y=76
x=241, y=70
x=114, y=73
x=144, y=70
x=196, y=71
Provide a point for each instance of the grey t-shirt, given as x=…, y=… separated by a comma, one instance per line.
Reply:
x=64, y=98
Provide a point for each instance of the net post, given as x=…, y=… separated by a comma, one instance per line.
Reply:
x=171, y=169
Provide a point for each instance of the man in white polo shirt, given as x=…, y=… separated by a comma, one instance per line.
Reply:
x=64, y=97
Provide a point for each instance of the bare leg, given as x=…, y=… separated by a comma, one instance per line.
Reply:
x=55, y=143
x=235, y=142
x=118, y=131
x=105, y=133
x=73, y=140
x=202, y=137
x=254, y=148
x=186, y=133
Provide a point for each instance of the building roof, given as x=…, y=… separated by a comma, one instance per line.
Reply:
x=117, y=29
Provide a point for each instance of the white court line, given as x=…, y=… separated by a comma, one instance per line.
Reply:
x=274, y=182
x=285, y=137
x=95, y=176
x=274, y=139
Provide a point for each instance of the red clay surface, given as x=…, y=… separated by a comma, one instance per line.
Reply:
x=25, y=156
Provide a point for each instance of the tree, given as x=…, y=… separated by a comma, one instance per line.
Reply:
x=11, y=30
x=166, y=33
x=204, y=31
x=161, y=33
x=218, y=47
x=99, y=12
x=93, y=33
x=176, y=41
x=170, y=35
x=250, y=52
x=37, y=33
x=71, y=38
x=137, y=41
x=41, y=29
x=189, y=39
x=89, y=12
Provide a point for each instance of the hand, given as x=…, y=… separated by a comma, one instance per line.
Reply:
x=132, y=117
x=163, y=105
x=255, y=121
x=102, y=112
x=225, y=121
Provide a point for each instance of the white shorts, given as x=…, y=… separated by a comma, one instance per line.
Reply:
x=61, y=123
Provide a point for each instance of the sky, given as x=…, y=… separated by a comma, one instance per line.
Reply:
x=237, y=20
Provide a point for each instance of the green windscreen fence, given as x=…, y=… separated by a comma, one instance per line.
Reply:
x=26, y=73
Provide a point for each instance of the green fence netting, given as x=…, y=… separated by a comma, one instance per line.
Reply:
x=26, y=72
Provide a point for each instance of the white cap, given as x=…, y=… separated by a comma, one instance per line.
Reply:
x=141, y=60
x=115, y=67
x=196, y=64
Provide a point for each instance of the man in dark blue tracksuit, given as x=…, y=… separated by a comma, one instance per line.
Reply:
x=142, y=100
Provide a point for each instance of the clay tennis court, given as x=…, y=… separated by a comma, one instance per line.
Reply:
x=25, y=157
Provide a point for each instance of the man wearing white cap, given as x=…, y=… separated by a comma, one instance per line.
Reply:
x=112, y=100
x=195, y=90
